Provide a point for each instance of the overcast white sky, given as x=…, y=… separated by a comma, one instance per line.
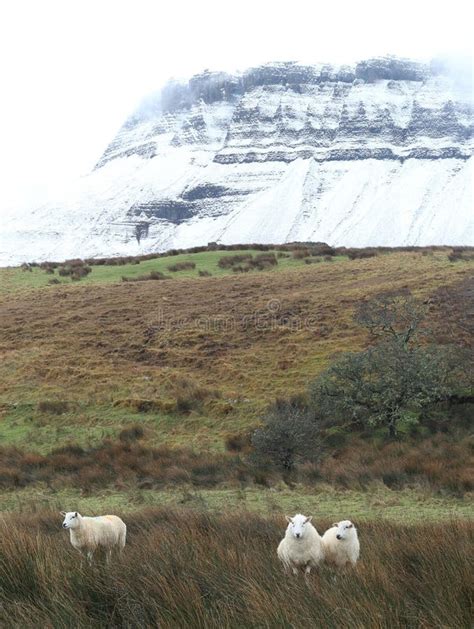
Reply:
x=71, y=71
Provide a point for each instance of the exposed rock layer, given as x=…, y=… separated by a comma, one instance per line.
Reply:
x=378, y=154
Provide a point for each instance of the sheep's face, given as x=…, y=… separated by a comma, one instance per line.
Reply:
x=297, y=525
x=71, y=519
x=344, y=529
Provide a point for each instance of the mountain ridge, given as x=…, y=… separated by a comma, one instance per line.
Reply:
x=375, y=154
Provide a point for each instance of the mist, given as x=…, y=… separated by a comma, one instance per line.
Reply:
x=71, y=77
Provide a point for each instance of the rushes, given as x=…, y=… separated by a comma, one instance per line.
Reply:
x=193, y=569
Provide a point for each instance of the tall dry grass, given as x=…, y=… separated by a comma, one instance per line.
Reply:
x=194, y=569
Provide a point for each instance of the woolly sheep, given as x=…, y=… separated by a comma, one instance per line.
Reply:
x=301, y=547
x=87, y=533
x=341, y=544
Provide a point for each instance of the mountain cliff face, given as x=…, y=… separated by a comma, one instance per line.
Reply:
x=376, y=154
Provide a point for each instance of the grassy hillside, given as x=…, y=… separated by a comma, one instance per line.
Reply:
x=193, y=361
x=16, y=280
x=192, y=358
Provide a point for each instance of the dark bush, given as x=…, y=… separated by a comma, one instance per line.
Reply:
x=264, y=260
x=132, y=433
x=181, y=266
x=54, y=407
x=153, y=275
x=461, y=253
x=79, y=272
x=290, y=433
x=299, y=254
x=358, y=254
x=227, y=262
x=238, y=442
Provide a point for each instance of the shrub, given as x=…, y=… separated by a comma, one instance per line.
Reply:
x=266, y=258
x=132, y=433
x=227, y=262
x=240, y=269
x=461, y=253
x=48, y=267
x=358, y=254
x=54, y=407
x=153, y=275
x=238, y=442
x=290, y=433
x=79, y=272
x=205, y=274
x=181, y=266
x=299, y=254
x=322, y=249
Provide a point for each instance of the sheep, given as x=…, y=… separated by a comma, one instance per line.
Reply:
x=89, y=533
x=301, y=547
x=341, y=544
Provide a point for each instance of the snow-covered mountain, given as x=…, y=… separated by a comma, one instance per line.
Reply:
x=376, y=154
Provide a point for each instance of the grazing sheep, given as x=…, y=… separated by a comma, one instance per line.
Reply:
x=341, y=544
x=87, y=534
x=301, y=547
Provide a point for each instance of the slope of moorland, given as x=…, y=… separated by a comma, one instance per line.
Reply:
x=138, y=398
x=113, y=391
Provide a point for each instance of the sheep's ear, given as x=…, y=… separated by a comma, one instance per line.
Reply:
x=75, y=515
x=335, y=523
x=350, y=526
x=288, y=519
x=308, y=519
x=63, y=513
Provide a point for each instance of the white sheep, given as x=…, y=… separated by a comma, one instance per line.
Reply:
x=341, y=544
x=301, y=547
x=87, y=533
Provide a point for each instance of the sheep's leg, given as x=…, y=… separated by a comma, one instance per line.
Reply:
x=82, y=557
x=307, y=572
x=295, y=571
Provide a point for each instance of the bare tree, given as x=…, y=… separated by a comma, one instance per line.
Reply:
x=397, y=317
x=290, y=433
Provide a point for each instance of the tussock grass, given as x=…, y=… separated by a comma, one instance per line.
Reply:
x=186, y=568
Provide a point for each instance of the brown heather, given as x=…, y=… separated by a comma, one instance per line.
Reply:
x=441, y=463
